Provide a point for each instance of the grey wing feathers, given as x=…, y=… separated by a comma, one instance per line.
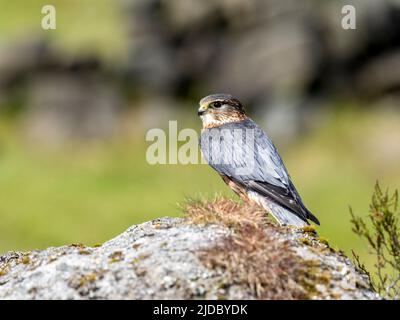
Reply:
x=287, y=198
x=268, y=175
x=260, y=155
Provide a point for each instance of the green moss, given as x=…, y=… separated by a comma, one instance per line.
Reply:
x=54, y=257
x=140, y=258
x=141, y=273
x=324, y=277
x=223, y=285
x=305, y=241
x=116, y=256
x=25, y=259
x=3, y=271
x=308, y=229
x=87, y=278
x=336, y=296
x=322, y=240
x=78, y=245
x=310, y=276
x=84, y=252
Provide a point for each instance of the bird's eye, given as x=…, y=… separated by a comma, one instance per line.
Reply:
x=216, y=105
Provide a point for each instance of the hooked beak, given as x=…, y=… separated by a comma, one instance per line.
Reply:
x=201, y=110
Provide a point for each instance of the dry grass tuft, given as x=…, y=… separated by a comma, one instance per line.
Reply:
x=260, y=263
x=225, y=212
x=253, y=256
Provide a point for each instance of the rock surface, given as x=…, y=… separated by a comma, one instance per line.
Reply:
x=160, y=259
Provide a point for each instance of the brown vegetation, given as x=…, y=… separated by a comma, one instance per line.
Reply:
x=254, y=255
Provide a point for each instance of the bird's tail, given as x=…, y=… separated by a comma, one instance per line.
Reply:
x=281, y=214
x=284, y=216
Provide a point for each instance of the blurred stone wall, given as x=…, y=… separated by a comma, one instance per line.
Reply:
x=259, y=49
x=64, y=98
x=282, y=58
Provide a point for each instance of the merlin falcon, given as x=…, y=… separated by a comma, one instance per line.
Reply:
x=247, y=160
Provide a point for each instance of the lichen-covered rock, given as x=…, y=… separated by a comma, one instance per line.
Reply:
x=169, y=258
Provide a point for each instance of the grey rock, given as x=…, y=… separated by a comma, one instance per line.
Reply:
x=157, y=260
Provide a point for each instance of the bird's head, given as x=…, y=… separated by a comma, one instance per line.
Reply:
x=217, y=109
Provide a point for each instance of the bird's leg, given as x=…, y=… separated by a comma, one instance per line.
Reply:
x=238, y=189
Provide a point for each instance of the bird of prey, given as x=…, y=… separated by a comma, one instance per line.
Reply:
x=247, y=160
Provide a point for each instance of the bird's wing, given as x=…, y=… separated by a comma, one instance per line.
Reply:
x=244, y=152
x=265, y=174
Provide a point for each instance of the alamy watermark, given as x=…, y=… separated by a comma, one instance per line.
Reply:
x=49, y=19
x=349, y=17
x=234, y=149
x=49, y=22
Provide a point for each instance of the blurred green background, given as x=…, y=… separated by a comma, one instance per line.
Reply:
x=76, y=102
